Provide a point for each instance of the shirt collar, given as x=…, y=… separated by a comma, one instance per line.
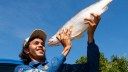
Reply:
x=35, y=63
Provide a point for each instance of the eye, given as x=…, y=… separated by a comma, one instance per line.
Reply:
x=36, y=42
x=42, y=43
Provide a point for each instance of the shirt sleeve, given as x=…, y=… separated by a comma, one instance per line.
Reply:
x=56, y=63
x=92, y=57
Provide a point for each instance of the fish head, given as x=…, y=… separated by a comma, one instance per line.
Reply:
x=53, y=41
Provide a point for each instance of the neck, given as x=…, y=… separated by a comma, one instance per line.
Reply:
x=41, y=59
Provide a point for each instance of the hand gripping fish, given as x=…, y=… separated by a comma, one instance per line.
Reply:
x=77, y=24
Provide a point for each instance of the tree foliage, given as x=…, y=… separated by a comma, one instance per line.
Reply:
x=82, y=60
x=115, y=64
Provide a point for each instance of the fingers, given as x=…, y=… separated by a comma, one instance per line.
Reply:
x=64, y=33
x=64, y=37
x=93, y=21
x=69, y=32
x=89, y=21
x=96, y=17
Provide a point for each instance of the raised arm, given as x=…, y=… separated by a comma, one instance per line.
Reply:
x=65, y=40
x=92, y=49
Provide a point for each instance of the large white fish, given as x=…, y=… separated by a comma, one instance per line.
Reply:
x=77, y=23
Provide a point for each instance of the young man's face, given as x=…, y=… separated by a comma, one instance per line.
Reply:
x=36, y=49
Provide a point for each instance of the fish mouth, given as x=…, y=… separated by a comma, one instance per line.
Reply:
x=51, y=42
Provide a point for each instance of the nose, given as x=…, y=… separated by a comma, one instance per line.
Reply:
x=40, y=45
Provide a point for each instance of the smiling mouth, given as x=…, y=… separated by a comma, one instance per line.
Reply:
x=40, y=50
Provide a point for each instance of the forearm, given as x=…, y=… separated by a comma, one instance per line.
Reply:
x=90, y=38
x=66, y=50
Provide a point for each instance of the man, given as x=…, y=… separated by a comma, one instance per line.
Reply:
x=33, y=52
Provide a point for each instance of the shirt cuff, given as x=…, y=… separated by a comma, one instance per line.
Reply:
x=92, y=43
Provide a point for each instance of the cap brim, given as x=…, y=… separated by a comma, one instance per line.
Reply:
x=38, y=33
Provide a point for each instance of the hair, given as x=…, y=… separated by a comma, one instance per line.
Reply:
x=24, y=56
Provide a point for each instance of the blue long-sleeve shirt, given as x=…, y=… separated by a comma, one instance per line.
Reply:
x=35, y=66
x=92, y=64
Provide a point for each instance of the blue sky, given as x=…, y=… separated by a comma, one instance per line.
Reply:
x=18, y=18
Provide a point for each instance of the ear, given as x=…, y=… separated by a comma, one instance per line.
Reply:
x=26, y=50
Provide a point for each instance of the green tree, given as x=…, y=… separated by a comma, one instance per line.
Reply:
x=81, y=60
x=119, y=63
x=104, y=63
x=115, y=64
